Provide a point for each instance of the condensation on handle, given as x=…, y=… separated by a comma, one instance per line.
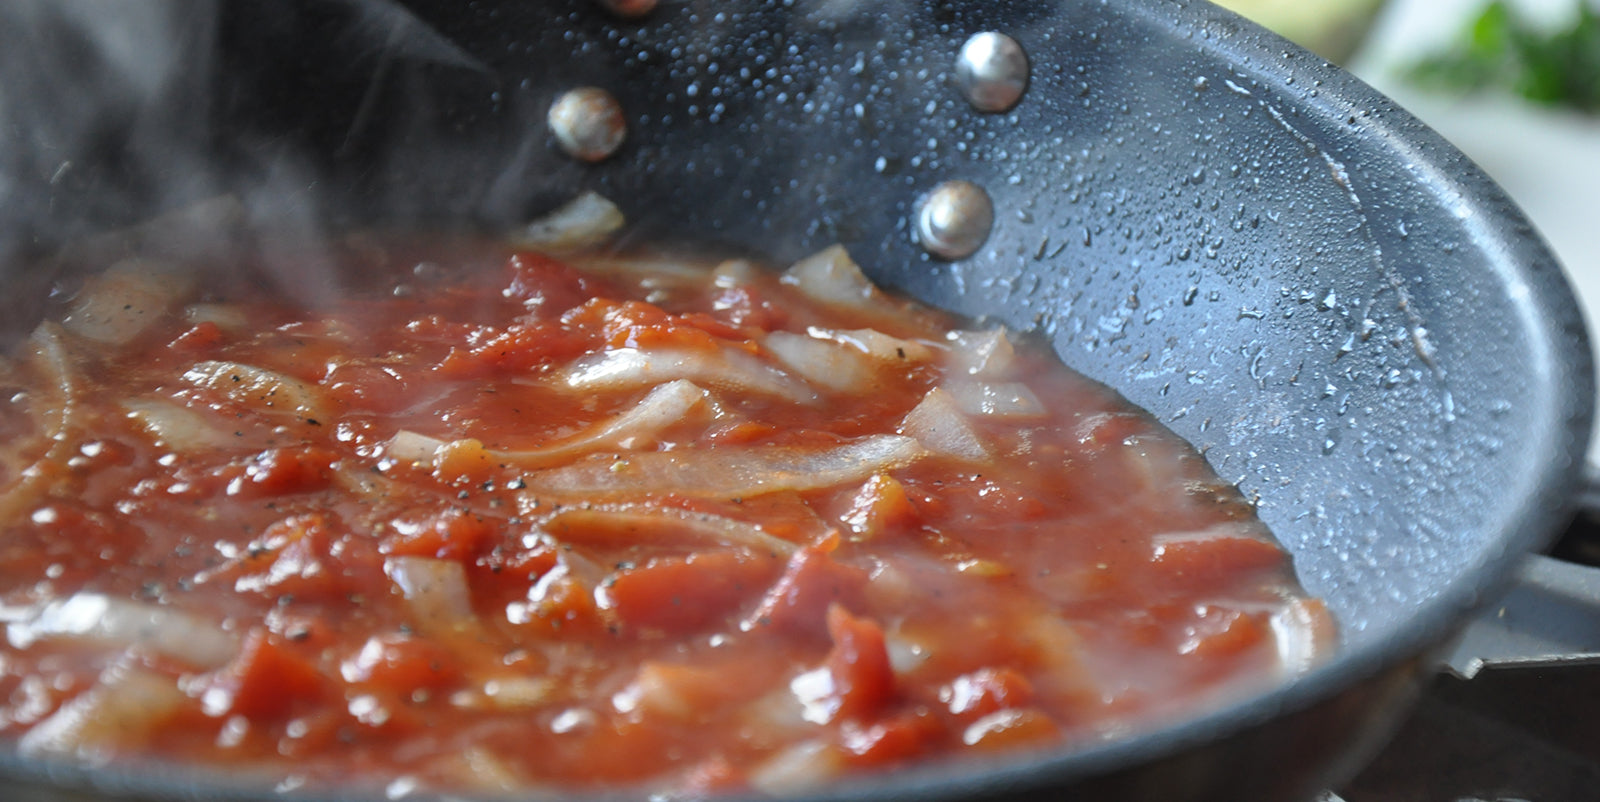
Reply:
x=1549, y=617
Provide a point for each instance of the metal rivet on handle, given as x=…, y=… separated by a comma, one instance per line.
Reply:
x=954, y=219
x=992, y=71
x=588, y=123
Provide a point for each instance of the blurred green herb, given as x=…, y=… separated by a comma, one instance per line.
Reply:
x=1501, y=50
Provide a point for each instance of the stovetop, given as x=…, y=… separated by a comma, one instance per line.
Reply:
x=1510, y=734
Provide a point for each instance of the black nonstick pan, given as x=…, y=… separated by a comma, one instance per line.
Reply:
x=1334, y=305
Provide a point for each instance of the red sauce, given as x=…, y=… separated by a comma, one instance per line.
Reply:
x=523, y=522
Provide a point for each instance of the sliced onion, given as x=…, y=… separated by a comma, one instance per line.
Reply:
x=179, y=428
x=642, y=524
x=797, y=768
x=126, y=300
x=985, y=354
x=729, y=368
x=1007, y=400
x=227, y=317
x=662, y=407
x=1227, y=530
x=122, y=709
x=905, y=654
x=938, y=424
x=268, y=391
x=584, y=221
x=734, y=273
x=652, y=271
x=121, y=623
x=508, y=693
x=436, y=591
x=876, y=344
x=821, y=362
x=831, y=276
x=414, y=448
x=1305, y=633
x=777, y=713
x=727, y=472
x=519, y=693
x=56, y=421
x=476, y=767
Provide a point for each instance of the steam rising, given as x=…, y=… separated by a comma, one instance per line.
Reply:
x=322, y=116
x=113, y=114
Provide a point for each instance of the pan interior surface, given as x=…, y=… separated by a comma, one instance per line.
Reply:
x=1332, y=304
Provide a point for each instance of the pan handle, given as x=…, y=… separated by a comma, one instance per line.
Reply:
x=1550, y=617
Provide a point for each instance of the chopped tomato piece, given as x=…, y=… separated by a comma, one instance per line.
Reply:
x=859, y=662
x=267, y=680
x=891, y=740
x=401, y=664
x=682, y=594
x=558, y=602
x=1221, y=634
x=281, y=471
x=544, y=285
x=517, y=348
x=203, y=337
x=636, y=324
x=451, y=534
x=1190, y=564
x=881, y=506
x=813, y=581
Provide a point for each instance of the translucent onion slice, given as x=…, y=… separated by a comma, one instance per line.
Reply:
x=121, y=623
x=638, y=524
x=831, y=276
x=729, y=368
x=798, y=768
x=1008, y=400
x=728, y=472
x=937, y=423
x=56, y=419
x=228, y=317
x=413, y=447
x=268, y=391
x=821, y=362
x=984, y=354
x=876, y=344
x=179, y=428
x=1305, y=633
x=436, y=591
x=126, y=300
x=584, y=221
x=122, y=709
x=662, y=407
x=651, y=271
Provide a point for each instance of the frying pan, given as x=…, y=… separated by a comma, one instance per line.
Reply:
x=1336, y=307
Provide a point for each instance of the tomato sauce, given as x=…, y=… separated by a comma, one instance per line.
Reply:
x=492, y=519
